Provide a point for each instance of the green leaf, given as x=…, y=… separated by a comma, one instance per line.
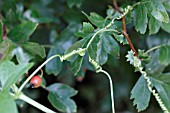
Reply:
x=167, y=5
x=141, y=19
x=154, y=66
x=159, y=12
x=96, y=19
x=92, y=50
x=87, y=27
x=72, y=3
x=34, y=49
x=1, y=30
x=163, y=77
x=22, y=32
x=121, y=39
x=76, y=65
x=111, y=46
x=75, y=46
x=7, y=78
x=164, y=57
x=55, y=65
x=101, y=52
x=7, y=103
x=154, y=25
x=163, y=90
x=59, y=97
x=141, y=94
x=101, y=46
x=6, y=48
x=166, y=27
x=21, y=55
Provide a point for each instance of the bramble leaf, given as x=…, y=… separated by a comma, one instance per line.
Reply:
x=141, y=19
x=164, y=56
x=76, y=64
x=72, y=3
x=166, y=27
x=75, y=46
x=159, y=11
x=141, y=94
x=121, y=39
x=7, y=78
x=22, y=32
x=154, y=25
x=34, y=49
x=59, y=97
x=163, y=90
x=96, y=19
x=7, y=103
x=87, y=27
x=55, y=65
x=6, y=48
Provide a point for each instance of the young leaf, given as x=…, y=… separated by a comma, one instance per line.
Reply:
x=59, y=97
x=22, y=32
x=7, y=103
x=34, y=49
x=164, y=56
x=96, y=19
x=7, y=78
x=55, y=65
x=141, y=94
x=141, y=18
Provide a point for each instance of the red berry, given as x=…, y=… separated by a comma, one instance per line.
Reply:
x=36, y=81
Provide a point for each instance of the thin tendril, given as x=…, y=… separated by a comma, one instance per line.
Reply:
x=99, y=69
x=111, y=88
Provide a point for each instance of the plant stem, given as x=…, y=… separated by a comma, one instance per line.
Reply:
x=124, y=27
x=130, y=43
x=35, y=104
x=43, y=64
x=156, y=47
x=111, y=88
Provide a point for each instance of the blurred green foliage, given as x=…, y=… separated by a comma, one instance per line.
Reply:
x=61, y=23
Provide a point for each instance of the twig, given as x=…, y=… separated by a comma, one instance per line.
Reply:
x=124, y=27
